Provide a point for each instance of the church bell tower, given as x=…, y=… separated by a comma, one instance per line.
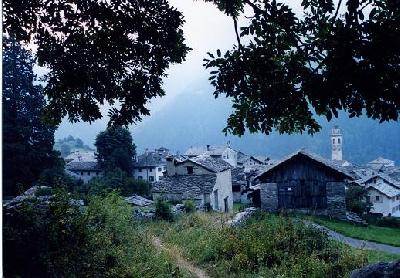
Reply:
x=336, y=141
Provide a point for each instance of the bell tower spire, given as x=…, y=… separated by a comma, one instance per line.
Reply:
x=336, y=142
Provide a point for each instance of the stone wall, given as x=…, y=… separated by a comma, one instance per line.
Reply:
x=336, y=200
x=269, y=196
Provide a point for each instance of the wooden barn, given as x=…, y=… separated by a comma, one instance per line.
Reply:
x=306, y=182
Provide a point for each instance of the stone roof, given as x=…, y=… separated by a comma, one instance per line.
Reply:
x=386, y=189
x=152, y=158
x=80, y=156
x=315, y=157
x=238, y=176
x=242, y=158
x=204, y=150
x=210, y=163
x=83, y=166
x=379, y=175
x=380, y=161
x=190, y=185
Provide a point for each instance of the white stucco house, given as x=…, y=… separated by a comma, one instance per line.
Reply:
x=383, y=193
x=151, y=165
x=204, y=179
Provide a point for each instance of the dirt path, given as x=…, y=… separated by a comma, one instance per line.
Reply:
x=180, y=261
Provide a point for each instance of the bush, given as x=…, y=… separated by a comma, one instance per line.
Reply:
x=44, y=240
x=356, y=200
x=389, y=221
x=163, y=210
x=61, y=240
x=44, y=191
x=189, y=206
x=117, y=181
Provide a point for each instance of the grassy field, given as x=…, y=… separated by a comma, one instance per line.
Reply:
x=384, y=235
x=268, y=246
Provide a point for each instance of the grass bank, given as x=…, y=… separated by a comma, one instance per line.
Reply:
x=373, y=233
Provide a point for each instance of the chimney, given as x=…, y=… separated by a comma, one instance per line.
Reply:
x=208, y=147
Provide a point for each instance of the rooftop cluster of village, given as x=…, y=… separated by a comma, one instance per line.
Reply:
x=215, y=177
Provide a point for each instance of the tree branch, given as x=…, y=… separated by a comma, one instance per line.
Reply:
x=237, y=33
x=337, y=9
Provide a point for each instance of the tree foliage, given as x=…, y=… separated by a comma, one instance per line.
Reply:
x=27, y=141
x=119, y=181
x=357, y=201
x=115, y=149
x=99, y=52
x=285, y=68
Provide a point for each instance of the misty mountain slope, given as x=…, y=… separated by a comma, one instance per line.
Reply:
x=198, y=119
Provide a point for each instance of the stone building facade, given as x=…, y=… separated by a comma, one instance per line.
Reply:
x=203, y=179
x=304, y=182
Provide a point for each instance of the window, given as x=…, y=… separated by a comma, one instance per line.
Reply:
x=189, y=170
x=338, y=140
x=151, y=178
x=377, y=198
x=81, y=173
x=159, y=169
x=88, y=173
x=140, y=169
x=139, y=177
x=333, y=140
x=151, y=170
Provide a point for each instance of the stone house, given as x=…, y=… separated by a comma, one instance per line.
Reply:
x=204, y=179
x=304, y=182
x=83, y=170
x=150, y=165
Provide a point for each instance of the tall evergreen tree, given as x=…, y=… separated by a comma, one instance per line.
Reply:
x=27, y=141
x=115, y=149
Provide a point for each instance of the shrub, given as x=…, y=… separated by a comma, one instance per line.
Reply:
x=189, y=206
x=44, y=240
x=60, y=240
x=44, y=191
x=389, y=221
x=117, y=180
x=163, y=210
x=356, y=200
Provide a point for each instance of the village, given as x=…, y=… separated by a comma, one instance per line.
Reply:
x=197, y=139
x=216, y=177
